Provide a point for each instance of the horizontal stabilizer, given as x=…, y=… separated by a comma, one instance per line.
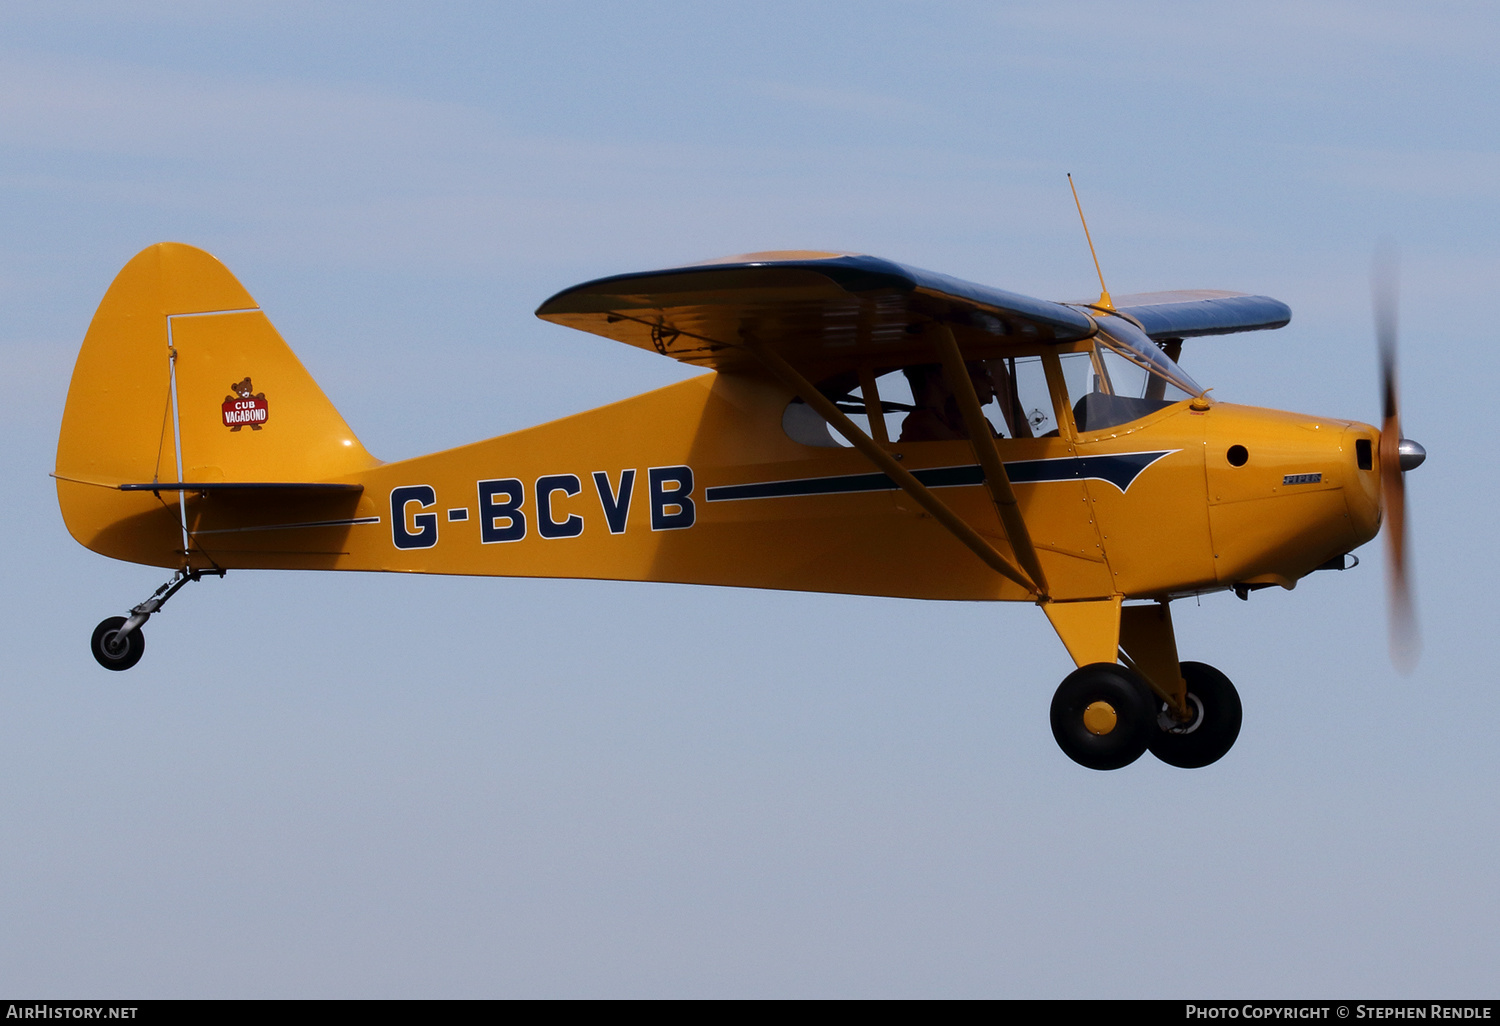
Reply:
x=305, y=487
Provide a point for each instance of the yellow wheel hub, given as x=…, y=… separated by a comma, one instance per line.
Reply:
x=1100, y=718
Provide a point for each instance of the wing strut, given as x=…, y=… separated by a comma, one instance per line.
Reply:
x=983, y=442
x=955, y=524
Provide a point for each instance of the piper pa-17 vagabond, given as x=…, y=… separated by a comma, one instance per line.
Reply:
x=983, y=446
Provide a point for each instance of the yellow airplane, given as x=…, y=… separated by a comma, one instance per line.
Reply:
x=983, y=445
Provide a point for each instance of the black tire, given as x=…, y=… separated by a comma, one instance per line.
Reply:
x=1212, y=732
x=135, y=645
x=1125, y=699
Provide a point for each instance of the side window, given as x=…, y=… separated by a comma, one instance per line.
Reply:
x=1079, y=379
x=1023, y=403
x=802, y=424
x=1012, y=392
x=896, y=400
x=918, y=406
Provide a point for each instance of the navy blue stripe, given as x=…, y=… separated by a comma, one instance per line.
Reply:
x=950, y=477
x=805, y=486
x=1120, y=470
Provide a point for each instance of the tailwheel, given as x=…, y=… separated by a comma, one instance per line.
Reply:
x=118, y=643
x=1215, y=722
x=111, y=650
x=1103, y=716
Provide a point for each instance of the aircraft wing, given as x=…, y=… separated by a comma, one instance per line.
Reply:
x=822, y=312
x=1194, y=312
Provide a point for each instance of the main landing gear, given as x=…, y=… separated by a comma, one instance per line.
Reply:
x=1105, y=716
x=118, y=641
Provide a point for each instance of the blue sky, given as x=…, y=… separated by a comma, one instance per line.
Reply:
x=324, y=785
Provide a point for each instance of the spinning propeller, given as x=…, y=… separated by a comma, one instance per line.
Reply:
x=1397, y=456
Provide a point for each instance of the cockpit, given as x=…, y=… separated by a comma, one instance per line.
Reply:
x=1114, y=378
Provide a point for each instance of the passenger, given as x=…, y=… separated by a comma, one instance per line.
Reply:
x=937, y=417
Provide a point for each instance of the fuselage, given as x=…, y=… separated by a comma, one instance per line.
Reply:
x=701, y=483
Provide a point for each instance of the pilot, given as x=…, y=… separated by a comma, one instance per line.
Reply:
x=936, y=417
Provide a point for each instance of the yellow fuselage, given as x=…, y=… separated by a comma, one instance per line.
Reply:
x=719, y=494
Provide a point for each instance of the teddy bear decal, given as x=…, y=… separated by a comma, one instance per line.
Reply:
x=245, y=406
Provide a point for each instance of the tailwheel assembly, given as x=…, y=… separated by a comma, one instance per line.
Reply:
x=118, y=642
x=113, y=651
x=1103, y=716
x=1212, y=727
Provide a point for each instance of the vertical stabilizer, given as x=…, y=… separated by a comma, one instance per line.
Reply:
x=181, y=378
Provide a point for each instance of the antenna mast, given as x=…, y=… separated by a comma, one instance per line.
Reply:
x=1104, y=300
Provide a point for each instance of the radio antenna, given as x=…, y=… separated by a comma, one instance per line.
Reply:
x=1104, y=301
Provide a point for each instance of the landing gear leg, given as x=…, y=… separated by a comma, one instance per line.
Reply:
x=118, y=641
x=1212, y=726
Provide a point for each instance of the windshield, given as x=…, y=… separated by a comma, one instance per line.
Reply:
x=1125, y=377
x=1132, y=343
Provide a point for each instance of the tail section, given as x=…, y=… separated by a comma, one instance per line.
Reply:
x=182, y=381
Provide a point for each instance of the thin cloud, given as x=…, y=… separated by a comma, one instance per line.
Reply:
x=845, y=101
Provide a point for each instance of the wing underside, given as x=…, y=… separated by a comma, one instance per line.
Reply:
x=816, y=311
x=827, y=313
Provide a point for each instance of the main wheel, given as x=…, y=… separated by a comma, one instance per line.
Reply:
x=1215, y=724
x=105, y=652
x=1103, y=716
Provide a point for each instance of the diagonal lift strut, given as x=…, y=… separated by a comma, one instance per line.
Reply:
x=902, y=477
x=982, y=440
